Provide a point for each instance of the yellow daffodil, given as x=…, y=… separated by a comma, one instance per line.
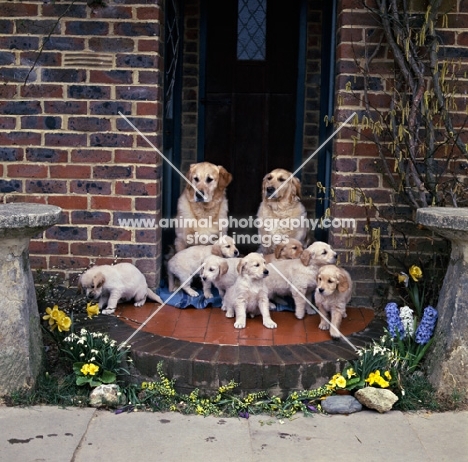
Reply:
x=403, y=278
x=64, y=323
x=90, y=369
x=92, y=309
x=415, y=273
x=52, y=315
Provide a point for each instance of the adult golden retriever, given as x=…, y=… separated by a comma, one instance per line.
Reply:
x=281, y=212
x=201, y=206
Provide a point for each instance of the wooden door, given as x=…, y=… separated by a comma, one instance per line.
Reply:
x=249, y=100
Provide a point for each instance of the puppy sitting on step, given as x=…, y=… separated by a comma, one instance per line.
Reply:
x=249, y=294
x=333, y=293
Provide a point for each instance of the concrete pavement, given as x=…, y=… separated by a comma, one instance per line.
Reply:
x=47, y=433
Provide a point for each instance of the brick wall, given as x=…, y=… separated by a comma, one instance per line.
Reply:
x=360, y=189
x=62, y=141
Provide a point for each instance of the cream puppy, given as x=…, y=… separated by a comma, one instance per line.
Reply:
x=298, y=278
x=109, y=285
x=333, y=293
x=184, y=264
x=249, y=294
x=285, y=251
x=219, y=272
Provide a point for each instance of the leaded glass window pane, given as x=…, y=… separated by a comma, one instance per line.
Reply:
x=251, y=29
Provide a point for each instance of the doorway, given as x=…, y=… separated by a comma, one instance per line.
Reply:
x=248, y=119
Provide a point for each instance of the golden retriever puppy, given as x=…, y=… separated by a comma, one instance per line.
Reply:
x=200, y=208
x=184, y=264
x=249, y=294
x=285, y=251
x=333, y=293
x=298, y=278
x=218, y=272
x=109, y=285
x=281, y=212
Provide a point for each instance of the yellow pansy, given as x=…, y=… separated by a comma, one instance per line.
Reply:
x=350, y=373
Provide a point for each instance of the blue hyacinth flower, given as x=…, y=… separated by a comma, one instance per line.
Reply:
x=395, y=326
x=426, y=327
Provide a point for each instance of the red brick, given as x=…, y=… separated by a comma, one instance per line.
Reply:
x=48, y=247
x=65, y=139
x=70, y=171
x=36, y=199
x=109, y=233
x=22, y=138
x=146, y=203
x=95, y=249
x=135, y=188
x=148, y=12
x=20, y=10
x=70, y=202
x=38, y=91
x=80, y=263
x=135, y=156
x=111, y=203
x=27, y=170
x=147, y=46
x=147, y=109
x=94, y=156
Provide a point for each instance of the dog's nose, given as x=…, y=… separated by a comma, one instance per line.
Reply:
x=321, y=290
x=199, y=196
x=270, y=190
x=236, y=253
x=266, y=272
x=204, y=278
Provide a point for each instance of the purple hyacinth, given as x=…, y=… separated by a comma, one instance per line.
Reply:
x=426, y=326
x=395, y=326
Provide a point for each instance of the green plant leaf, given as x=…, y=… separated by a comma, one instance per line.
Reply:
x=108, y=377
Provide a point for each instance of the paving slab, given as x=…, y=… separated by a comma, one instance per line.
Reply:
x=138, y=436
x=41, y=433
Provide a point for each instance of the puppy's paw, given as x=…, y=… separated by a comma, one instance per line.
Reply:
x=191, y=292
x=207, y=294
x=229, y=313
x=324, y=325
x=270, y=323
x=299, y=314
x=239, y=325
x=108, y=310
x=139, y=302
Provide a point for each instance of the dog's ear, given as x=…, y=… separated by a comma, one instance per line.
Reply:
x=305, y=257
x=189, y=176
x=224, y=177
x=343, y=283
x=98, y=280
x=296, y=183
x=240, y=267
x=216, y=250
x=223, y=268
x=79, y=288
x=278, y=249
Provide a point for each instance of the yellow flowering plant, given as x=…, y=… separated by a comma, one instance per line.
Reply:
x=414, y=284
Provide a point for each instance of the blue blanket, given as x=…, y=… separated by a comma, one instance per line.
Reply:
x=180, y=299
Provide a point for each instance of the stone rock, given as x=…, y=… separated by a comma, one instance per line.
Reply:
x=344, y=404
x=380, y=399
x=448, y=355
x=106, y=396
x=21, y=337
